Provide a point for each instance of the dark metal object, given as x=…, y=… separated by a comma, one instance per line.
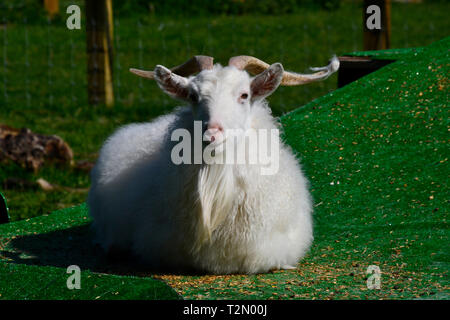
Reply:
x=353, y=68
x=4, y=215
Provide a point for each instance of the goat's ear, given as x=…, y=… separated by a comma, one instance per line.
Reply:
x=174, y=85
x=266, y=82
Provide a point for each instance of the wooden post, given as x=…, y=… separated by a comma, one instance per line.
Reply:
x=99, y=33
x=377, y=39
x=52, y=7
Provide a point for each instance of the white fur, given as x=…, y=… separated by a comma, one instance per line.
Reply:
x=216, y=218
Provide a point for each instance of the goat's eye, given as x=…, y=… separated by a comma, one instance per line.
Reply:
x=244, y=96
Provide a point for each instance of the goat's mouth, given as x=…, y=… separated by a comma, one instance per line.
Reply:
x=215, y=147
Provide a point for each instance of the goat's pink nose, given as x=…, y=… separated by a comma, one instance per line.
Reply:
x=215, y=126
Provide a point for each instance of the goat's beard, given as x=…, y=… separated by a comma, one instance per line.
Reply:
x=216, y=191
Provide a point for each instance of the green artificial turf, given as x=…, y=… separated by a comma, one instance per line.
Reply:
x=376, y=154
x=389, y=54
x=35, y=254
x=42, y=283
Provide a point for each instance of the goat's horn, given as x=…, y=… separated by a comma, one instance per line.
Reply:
x=193, y=65
x=256, y=66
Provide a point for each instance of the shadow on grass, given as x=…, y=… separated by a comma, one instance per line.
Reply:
x=74, y=246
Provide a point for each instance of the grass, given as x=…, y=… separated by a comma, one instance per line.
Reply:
x=43, y=80
x=376, y=154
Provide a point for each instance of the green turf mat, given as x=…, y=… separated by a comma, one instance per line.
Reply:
x=35, y=254
x=20, y=281
x=388, y=54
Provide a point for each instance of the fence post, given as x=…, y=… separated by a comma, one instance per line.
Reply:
x=99, y=35
x=377, y=39
x=51, y=6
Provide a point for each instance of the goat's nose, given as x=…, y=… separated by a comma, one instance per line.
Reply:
x=214, y=131
x=214, y=126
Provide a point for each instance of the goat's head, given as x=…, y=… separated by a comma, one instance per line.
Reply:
x=222, y=97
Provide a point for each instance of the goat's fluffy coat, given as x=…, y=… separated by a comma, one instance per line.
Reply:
x=216, y=218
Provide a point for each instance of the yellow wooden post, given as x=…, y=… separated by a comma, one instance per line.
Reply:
x=52, y=7
x=377, y=39
x=99, y=35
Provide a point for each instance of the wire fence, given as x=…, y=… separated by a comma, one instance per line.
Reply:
x=44, y=65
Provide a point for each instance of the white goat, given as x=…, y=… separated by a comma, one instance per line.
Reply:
x=218, y=218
